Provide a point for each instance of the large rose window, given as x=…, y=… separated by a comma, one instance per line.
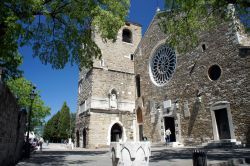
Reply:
x=162, y=65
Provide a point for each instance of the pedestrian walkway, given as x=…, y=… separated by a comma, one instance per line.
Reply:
x=59, y=154
x=183, y=156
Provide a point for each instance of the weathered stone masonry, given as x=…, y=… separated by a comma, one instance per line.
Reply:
x=193, y=91
x=12, y=122
x=106, y=99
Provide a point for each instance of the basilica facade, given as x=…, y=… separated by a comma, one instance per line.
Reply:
x=202, y=96
x=141, y=87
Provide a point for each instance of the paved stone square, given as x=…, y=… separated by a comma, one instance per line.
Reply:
x=59, y=154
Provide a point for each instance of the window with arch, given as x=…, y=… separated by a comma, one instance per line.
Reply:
x=127, y=36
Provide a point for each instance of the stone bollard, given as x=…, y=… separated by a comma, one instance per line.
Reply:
x=199, y=158
x=130, y=153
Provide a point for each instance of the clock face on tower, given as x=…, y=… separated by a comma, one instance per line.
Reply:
x=162, y=65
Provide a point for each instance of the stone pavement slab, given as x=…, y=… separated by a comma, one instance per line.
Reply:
x=59, y=154
x=183, y=156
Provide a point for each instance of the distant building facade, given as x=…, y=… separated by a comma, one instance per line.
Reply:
x=202, y=96
x=106, y=97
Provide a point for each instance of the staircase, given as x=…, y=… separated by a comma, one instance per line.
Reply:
x=170, y=144
x=224, y=143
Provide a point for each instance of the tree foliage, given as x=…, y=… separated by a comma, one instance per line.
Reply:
x=22, y=88
x=185, y=19
x=59, y=31
x=59, y=126
x=51, y=129
x=64, y=122
x=10, y=64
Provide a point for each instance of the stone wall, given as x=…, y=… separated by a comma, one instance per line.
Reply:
x=84, y=85
x=191, y=84
x=12, y=122
x=105, y=81
x=84, y=90
x=98, y=125
x=116, y=55
x=114, y=72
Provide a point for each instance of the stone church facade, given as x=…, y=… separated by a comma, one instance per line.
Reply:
x=202, y=96
x=106, y=98
x=141, y=87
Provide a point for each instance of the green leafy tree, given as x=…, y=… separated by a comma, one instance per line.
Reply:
x=59, y=127
x=47, y=131
x=10, y=64
x=185, y=19
x=59, y=31
x=64, y=122
x=22, y=88
x=51, y=129
x=55, y=134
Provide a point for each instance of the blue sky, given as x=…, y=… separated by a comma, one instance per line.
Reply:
x=57, y=86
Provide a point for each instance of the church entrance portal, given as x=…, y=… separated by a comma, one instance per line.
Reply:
x=169, y=123
x=116, y=133
x=222, y=123
x=84, y=134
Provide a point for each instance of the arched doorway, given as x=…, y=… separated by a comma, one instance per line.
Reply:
x=84, y=134
x=77, y=139
x=116, y=133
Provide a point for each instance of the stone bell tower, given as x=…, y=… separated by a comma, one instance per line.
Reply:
x=106, y=97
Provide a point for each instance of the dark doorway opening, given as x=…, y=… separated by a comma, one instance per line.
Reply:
x=169, y=123
x=116, y=133
x=77, y=139
x=84, y=135
x=222, y=123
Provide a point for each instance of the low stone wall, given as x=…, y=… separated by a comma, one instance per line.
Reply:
x=12, y=123
x=130, y=153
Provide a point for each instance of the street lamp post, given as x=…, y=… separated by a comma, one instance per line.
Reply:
x=27, y=144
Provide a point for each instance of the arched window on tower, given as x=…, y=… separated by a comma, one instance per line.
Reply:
x=113, y=99
x=127, y=36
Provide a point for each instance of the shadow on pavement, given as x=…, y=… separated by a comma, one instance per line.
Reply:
x=89, y=153
x=212, y=154
x=168, y=154
x=58, y=158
